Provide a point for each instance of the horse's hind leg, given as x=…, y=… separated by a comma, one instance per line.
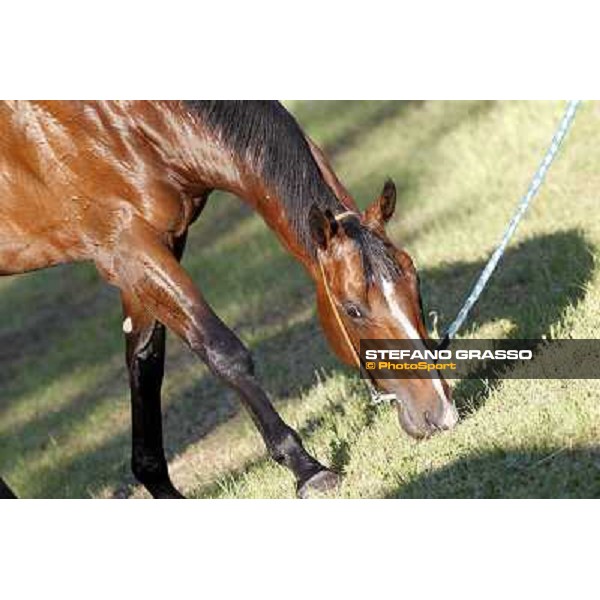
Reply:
x=145, y=351
x=148, y=272
x=5, y=492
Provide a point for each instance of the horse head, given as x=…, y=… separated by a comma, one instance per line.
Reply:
x=369, y=289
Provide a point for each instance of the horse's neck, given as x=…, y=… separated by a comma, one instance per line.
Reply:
x=269, y=206
x=219, y=168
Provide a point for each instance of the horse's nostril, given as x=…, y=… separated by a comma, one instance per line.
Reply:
x=447, y=421
x=429, y=422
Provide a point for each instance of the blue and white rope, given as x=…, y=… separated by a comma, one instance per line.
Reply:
x=522, y=207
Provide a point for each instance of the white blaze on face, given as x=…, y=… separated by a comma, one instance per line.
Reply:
x=400, y=316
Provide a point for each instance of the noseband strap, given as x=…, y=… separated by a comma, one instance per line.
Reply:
x=346, y=213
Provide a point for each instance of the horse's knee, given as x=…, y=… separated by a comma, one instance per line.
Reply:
x=228, y=358
x=285, y=446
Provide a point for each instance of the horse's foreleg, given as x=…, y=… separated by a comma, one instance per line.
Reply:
x=148, y=272
x=145, y=352
x=5, y=492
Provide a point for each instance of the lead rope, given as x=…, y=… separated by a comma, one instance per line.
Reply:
x=377, y=397
x=522, y=207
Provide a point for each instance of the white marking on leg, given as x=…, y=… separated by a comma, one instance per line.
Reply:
x=127, y=325
x=411, y=332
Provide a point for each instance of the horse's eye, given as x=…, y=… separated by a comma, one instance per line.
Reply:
x=353, y=311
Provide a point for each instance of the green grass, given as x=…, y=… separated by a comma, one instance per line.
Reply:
x=460, y=168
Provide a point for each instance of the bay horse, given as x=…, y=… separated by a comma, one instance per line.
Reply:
x=119, y=184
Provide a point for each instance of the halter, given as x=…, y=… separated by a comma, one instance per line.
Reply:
x=377, y=397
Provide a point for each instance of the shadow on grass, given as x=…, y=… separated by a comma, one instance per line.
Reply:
x=549, y=272
x=548, y=473
x=538, y=281
x=361, y=119
x=535, y=284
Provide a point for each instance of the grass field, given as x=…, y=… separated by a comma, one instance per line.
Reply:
x=460, y=168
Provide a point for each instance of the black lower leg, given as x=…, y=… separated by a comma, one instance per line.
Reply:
x=146, y=369
x=230, y=360
x=5, y=492
x=283, y=443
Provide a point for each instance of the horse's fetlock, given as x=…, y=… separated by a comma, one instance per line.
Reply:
x=148, y=467
x=285, y=447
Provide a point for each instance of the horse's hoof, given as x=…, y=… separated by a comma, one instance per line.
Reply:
x=5, y=492
x=165, y=491
x=324, y=482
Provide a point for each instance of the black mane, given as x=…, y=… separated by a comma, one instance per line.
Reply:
x=265, y=133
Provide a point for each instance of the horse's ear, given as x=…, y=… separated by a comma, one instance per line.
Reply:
x=322, y=225
x=382, y=209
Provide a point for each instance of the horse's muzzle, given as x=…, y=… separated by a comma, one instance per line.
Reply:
x=424, y=424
